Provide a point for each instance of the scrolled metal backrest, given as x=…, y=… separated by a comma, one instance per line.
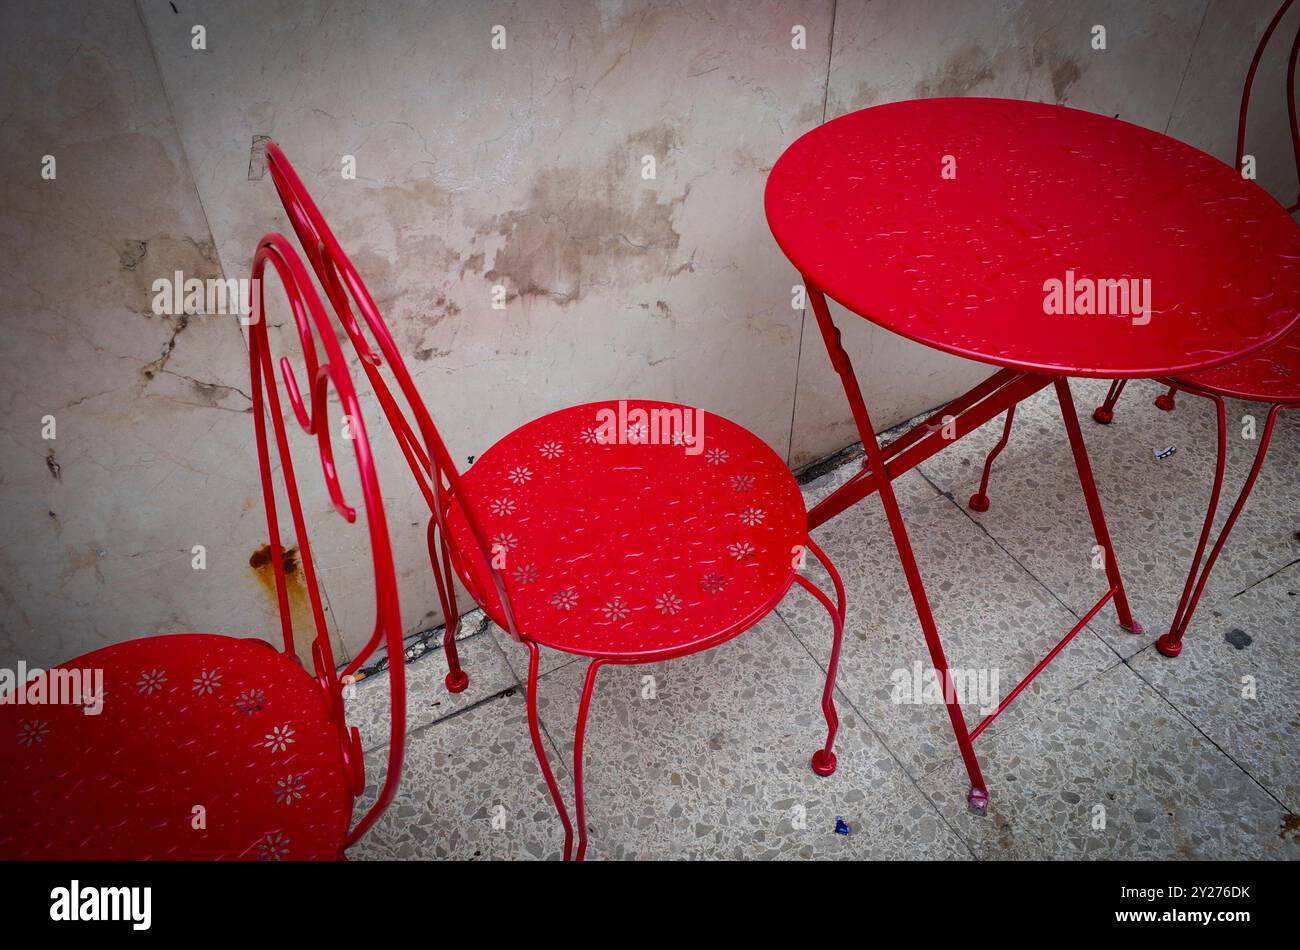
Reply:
x=1290, y=95
x=421, y=443
x=310, y=410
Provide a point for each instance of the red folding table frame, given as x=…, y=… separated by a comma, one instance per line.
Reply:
x=1001, y=392
x=947, y=220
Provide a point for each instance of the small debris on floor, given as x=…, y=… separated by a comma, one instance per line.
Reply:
x=1164, y=453
x=841, y=826
x=1238, y=638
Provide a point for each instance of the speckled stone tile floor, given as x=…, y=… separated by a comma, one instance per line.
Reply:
x=1113, y=752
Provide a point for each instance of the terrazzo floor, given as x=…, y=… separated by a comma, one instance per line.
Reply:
x=1113, y=752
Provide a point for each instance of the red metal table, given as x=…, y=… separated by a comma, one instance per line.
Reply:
x=989, y=228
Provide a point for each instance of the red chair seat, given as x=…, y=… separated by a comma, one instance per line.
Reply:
x=1271, y=374
x=188, y=720
x=633, y=550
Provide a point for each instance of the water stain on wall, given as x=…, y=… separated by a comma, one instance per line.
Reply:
x=133, y=252
x=971, y=66
x=81, y=558
x=965, y=69
x=421, y=201
x=141, y=261
x=215, y=395
x=1064, y=75
x=1039, y=26
x=580, y=226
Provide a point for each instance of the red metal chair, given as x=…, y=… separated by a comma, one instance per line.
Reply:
x=628, y=532
x=1270, y=376
x=1105, y=413
x=208, y=746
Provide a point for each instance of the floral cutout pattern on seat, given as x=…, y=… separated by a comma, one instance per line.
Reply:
x=205, y=747
x=635, y=545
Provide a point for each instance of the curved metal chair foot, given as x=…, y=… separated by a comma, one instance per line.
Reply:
x=1105, y=413
x=824, y=763
x=539, y=748
x=579, y=734
x=980, y=500
x=1169, y=645
x=1165, y=401
x=823, y=760
x=1133, y=626
x=456, y=678
x=977, y=799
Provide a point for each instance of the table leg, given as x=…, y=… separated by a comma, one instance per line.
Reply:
x=978, y=796
x=1171, y=643
x=1100, y=531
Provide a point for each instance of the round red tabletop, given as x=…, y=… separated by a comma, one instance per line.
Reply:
x=1037, y=237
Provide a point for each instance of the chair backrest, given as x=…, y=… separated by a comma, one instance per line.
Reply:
x=1290, y=95
x=310, y=409
x=421, y=444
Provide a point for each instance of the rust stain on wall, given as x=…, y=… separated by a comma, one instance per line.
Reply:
x=304, y=624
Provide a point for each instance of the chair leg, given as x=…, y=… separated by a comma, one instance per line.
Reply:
x=1100, y=531
x=583, y=707
x=1171, y=644
x=823, y=760
x=1105, y=413
x=980, y=500
x=540, y=749
x=1165, y=400
x=456, y=679
x=1167, y=644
